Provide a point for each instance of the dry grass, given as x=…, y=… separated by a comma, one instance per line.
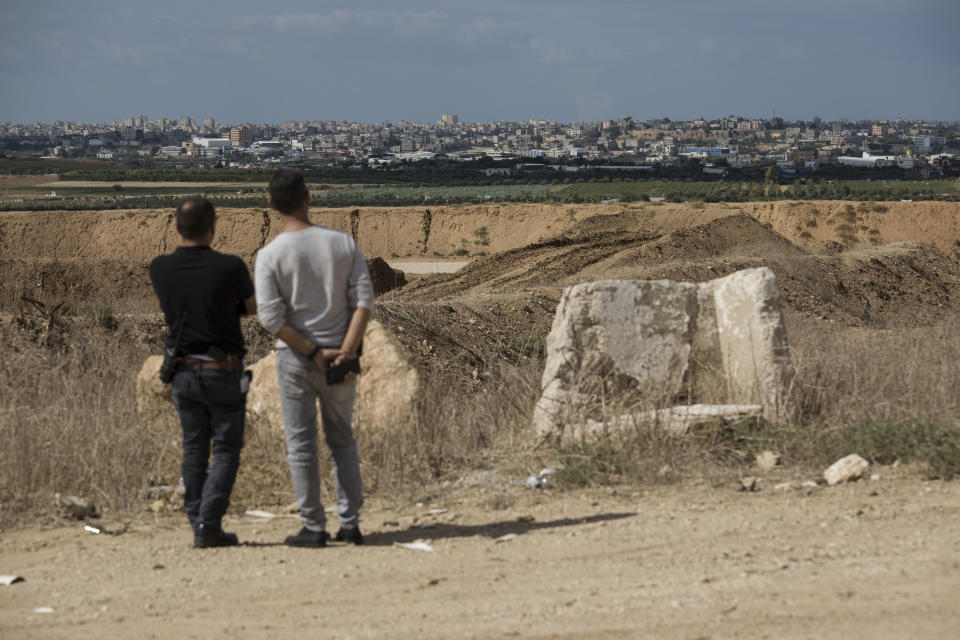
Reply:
x=457, y=431
x=68, y=421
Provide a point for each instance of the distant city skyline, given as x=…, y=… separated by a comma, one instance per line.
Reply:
x=373, y=61
x=204, y=122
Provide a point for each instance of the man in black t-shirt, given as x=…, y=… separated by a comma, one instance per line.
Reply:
x=203, y=293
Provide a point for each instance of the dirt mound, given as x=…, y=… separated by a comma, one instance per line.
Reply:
x=117, y=283
x=384, y=277
x=834, y=269
x=853, y=224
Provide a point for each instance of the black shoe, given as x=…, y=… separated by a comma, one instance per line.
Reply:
x=307, y=538
x=210, y=537
x=350, y=534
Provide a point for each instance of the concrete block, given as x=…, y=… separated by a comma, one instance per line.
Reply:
x=619, y=349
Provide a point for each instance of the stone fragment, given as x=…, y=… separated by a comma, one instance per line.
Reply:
x=153, y=396
x=388, y=388
x=753, y=341
x=845, y=469
x=263, y=396
x=611, y=337
x=749, y=483
x=618, y=350
x=767, y=460
x=785, y=486
x=809, y=484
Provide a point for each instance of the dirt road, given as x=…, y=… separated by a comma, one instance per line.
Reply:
x=874, y=559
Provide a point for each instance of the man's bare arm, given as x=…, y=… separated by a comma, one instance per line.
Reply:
x=355, y=331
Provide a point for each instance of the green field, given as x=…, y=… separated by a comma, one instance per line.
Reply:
x=163, y=195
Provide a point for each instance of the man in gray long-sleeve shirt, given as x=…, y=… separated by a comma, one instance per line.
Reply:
x=314, y=294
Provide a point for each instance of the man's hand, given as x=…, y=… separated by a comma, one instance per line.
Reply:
x=327, y=356
x=338, y=359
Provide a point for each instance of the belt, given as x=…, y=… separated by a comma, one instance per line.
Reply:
x=231, y=363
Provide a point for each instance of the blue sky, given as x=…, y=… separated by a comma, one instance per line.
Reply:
x=370, y=61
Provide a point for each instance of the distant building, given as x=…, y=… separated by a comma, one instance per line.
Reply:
x=241, y=136
x=870, y=160
x=705, y=152
x=212, y=143
x=925, y=143
x=879, y=130
x=802, y=156
x=449, y=118
x=172, y=151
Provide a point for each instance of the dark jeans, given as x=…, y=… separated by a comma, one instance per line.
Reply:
x=211, y=408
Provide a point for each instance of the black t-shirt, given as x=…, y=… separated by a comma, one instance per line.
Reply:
x=210, y=287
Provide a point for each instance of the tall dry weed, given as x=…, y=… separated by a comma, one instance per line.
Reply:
x=457, y=430
x=68, y=419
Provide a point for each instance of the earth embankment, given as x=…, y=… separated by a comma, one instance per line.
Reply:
x=858, y=261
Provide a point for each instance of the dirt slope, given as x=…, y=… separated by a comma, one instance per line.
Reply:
x=139, y=235
x=897, y=285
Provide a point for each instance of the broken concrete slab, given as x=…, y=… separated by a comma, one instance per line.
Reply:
x=627, y=348
x=677, y=420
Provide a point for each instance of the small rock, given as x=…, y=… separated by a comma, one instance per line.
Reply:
x=875, y=477
x=845, y=469
x=784, y=486
x=749, y=483
x=505, y=538
x=767, y=460
x=808, y=484
x=157, y=506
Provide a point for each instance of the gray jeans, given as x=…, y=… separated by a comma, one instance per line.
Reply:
x=302, y=383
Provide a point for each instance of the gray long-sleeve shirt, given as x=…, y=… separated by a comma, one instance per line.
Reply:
x=312, y=279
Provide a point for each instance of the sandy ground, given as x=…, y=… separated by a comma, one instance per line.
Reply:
x=874, y=559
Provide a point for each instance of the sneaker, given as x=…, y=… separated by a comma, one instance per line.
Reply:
x=350, y=534
x=210, y=537
x=307, y=538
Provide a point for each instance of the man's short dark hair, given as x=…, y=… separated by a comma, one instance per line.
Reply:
x=195, y=216
x=287, y=190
